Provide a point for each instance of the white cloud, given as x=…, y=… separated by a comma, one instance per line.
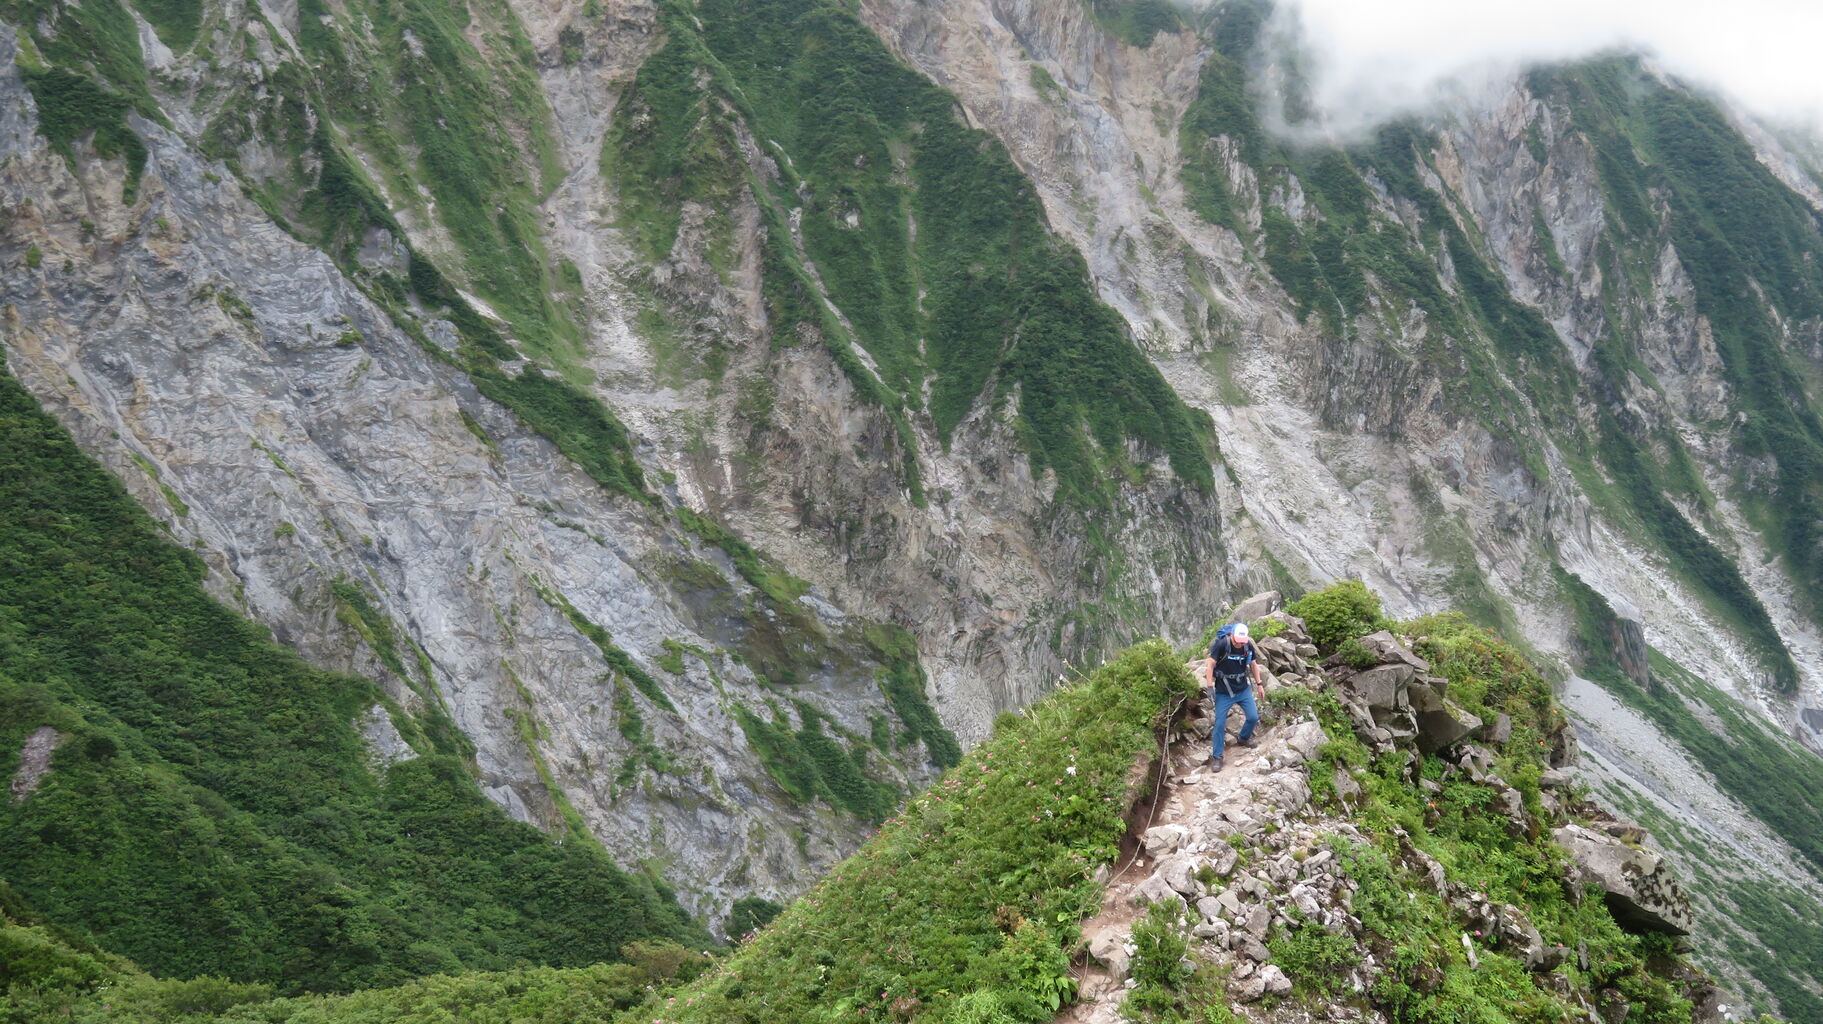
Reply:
x=1376, y=59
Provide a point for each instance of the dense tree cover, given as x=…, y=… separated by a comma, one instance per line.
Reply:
x=211, y=807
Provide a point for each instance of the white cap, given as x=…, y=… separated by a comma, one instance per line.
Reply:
x=1240, y=630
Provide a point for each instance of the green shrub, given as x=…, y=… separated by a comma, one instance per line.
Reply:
x=1341, y=611
x=1314, y=958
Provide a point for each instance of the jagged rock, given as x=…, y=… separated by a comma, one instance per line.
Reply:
x=1108, y=947
x=1422, y=696
x=1554, y=778
x=1548, y=958
x=1307, y=650
x=1293, y=790
x=1248, y=946
x=1259, y=921
x=1222, y=858
x=1346, y=786
x=1640, y=889
x=1179, y=872
x=1553, y=809
x=1468, y=948
x=1163, y=839
x=1564, y=750
x=1210, y=908
x=1276, y=982
x=1612, y=1006
x=1156, y=890
x=1257, y=607
x=1513, y=804
x=1382, y=686
x=1438, y=729
x=1500, y=730
x=1250, y=990
x=1306, y=738
x=1292, y=628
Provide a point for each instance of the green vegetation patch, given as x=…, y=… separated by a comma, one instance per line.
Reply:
x=1135, y=22
x=1415, y=934
x=211, y=809
x=810, y=765
x=903, y=681
x=56, y=979
x=72, y=105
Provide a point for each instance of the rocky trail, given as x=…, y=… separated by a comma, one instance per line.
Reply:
x=1245, y=853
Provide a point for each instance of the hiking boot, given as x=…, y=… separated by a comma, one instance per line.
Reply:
x=1215, y=764
x=1248, y=742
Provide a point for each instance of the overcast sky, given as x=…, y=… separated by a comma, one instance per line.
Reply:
x=1383, y=57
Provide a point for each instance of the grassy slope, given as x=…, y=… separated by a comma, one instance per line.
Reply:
x=212, y=809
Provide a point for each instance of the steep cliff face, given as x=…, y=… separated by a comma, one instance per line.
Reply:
x=356, y=492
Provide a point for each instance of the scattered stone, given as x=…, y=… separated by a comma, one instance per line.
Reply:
x=1276, y=982
x=1249, y=990
x=1230, y=904
x=1250, y=947
x=1554, y=778
x=1179, y=872
x=1500, y=730
x=1108, y=947
x=1222, y=858
x=1164, y=839
x=1259, y=921
x=1156, y=890
x=1468, y=947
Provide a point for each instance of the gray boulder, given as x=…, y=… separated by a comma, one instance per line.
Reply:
x=1446, y=725
x=1257, y=607
x=1383, y=686
x=1640, y=889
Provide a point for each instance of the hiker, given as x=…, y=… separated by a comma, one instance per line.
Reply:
x=1227, y=672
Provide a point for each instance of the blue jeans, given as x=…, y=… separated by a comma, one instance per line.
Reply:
x=1218, y=736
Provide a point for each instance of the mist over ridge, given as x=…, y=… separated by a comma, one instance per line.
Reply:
x=1365, y=64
